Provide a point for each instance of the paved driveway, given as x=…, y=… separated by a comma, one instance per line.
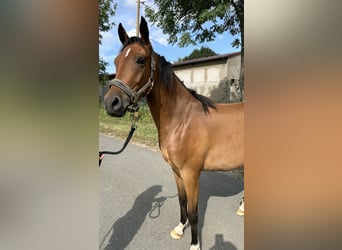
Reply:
x=138, y=204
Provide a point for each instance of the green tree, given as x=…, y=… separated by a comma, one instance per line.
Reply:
x=187, y=22
x=106, y=10
x=199, y=53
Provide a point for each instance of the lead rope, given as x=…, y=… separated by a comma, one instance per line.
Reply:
x=134, y=115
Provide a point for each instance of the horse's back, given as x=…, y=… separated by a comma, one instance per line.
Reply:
x=237, y=107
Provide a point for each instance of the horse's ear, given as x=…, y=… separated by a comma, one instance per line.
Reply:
x=122, y=34
x=144, y=31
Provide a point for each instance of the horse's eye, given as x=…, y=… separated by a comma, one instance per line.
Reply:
x=140, y=60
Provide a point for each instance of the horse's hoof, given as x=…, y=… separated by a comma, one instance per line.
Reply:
x=241, y=209
x=240, y=212
x=195, y=247
x=178, y=231
x=175, y=235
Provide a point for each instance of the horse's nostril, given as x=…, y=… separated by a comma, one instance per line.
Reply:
x=116, y=103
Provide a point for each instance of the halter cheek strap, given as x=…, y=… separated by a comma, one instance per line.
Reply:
x=135, y=95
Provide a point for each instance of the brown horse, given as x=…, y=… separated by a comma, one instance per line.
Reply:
x=194, y=133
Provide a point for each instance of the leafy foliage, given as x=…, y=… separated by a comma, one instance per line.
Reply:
x=188, y=22
x=103, y=76
x=199, y=53
x=106, y=10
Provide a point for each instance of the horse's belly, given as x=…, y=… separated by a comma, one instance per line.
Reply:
x=218, y=165
x=223, y=160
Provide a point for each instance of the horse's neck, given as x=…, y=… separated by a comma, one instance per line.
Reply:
x=165, y=104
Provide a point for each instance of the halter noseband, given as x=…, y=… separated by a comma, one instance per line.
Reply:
x=135, y=95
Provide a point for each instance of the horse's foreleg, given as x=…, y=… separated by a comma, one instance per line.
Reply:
x=191, y=184
x=177, y=232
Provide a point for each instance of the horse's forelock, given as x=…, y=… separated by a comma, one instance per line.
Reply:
x=132, y=40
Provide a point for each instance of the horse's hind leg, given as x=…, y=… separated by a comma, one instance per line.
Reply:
x=241, y=209
x=177, y=232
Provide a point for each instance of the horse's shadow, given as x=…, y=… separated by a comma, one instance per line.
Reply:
x=126, y=227
x=146, y=204
x=220, y=244
x=217, y=184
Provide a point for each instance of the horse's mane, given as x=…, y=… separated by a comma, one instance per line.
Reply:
x=167, y=75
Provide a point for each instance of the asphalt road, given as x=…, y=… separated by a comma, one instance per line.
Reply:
x=138, y=204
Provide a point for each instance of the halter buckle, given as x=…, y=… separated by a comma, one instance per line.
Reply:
x=134, y=98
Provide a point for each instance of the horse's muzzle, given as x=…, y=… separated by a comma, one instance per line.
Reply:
x=115, y=105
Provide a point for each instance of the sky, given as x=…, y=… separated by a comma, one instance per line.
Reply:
x=126, y=14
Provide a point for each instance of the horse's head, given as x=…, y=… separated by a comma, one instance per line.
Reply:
x=134, y=72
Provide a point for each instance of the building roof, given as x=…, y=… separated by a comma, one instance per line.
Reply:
x=205, y=59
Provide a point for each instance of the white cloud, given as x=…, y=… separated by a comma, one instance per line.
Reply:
x=109, y=58
x=131, y=3
x=110, y=43
x=130, y=22
x=131, y=32
x=108, y=37
x=158, y=36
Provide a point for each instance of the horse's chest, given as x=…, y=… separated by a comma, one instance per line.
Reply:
x=164, y=153
x=172, y=155
x=175, y=148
